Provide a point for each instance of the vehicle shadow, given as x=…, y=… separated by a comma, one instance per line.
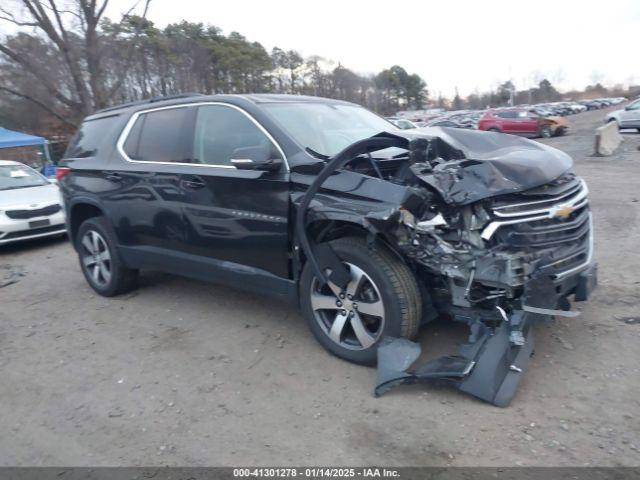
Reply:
x=33, y=245
x=216, y=297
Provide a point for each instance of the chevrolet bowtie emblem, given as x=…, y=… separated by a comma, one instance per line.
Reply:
x=562, y=211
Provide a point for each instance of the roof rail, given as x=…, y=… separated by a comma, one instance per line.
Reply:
x=149, y=100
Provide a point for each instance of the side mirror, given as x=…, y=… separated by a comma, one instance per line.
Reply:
x=255, y=158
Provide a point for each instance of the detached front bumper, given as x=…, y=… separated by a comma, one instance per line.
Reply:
x=500, y=344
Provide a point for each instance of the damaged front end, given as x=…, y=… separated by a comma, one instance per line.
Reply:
x=498, y=232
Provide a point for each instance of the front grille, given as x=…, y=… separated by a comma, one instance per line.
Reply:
x=527, y=203
x=37, y=212
x=547, y=232
x=552, y=221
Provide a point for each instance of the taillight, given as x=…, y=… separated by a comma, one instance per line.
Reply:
x=61, y=172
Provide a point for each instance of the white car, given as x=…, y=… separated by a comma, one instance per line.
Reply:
x=30, y=204
x=403, y=123
x=577, y=108
x=627, y=118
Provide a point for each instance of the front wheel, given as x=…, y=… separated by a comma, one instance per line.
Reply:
x=382, y=299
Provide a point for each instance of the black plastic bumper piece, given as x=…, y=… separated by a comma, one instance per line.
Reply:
x=499, y=367
x=489, y=368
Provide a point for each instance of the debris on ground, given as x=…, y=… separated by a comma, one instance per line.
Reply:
x=10, y=274
x=628, y=320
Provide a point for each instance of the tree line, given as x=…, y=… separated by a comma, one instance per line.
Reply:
x=67, y=60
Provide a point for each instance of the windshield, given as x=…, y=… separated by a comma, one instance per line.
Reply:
x=19, y=176
x=325, y=128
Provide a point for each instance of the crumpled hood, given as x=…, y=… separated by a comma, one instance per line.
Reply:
x=494, y=164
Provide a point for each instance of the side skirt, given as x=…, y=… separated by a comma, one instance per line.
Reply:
x=211, y=270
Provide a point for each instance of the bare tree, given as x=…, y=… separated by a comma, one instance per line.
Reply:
x=72, y=28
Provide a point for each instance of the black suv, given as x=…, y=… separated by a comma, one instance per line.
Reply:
x=370, y=230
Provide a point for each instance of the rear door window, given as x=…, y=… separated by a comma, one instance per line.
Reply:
x=89, y=137
x=162, y=136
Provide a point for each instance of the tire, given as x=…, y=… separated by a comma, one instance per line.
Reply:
x=546, y=132
x=388, y=288
x=494, y=130
x=99, y=260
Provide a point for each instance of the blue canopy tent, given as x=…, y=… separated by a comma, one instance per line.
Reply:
x=11, y=139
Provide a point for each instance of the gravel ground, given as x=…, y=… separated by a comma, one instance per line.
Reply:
x=184, y=373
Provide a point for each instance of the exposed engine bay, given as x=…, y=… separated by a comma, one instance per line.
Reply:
x=496, y=228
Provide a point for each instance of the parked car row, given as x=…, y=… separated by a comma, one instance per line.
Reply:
x=598, y=103
x=539, y=120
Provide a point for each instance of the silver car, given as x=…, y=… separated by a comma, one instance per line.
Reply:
x=627, y=118
x=30, y=204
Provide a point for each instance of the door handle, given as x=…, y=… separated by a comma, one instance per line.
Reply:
x=194, y=183
x=114, y=177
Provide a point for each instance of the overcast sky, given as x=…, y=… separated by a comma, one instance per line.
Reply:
x=468, y=44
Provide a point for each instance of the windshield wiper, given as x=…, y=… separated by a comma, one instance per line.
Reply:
x=313, y=153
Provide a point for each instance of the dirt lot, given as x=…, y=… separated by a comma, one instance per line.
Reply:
x=184, y=373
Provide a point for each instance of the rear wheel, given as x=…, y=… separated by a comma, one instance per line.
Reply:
x=99, y=260
x=493, y=129
x=382, y=299
x=545, y=131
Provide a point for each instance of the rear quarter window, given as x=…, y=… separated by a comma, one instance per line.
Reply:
x=89, y=137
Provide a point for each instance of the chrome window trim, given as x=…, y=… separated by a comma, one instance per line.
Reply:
x=131, y=122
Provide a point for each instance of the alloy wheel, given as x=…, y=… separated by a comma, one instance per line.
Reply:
x=353, y=318
x=96, y=258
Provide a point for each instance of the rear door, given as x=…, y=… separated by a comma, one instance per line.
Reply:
x=145, y=201
x=507, y=121
x=523, y=124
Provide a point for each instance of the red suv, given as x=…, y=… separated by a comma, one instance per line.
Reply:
x=522, y=121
